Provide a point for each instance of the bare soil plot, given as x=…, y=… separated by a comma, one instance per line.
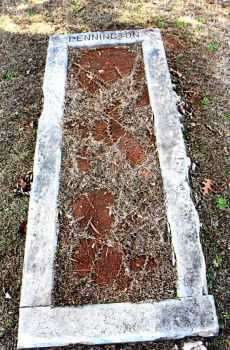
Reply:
x=113, y=239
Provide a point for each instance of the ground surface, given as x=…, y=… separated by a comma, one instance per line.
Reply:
x=196, y=39
x=113, y=240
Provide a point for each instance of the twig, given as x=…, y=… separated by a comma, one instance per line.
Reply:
x=94, y=228
x=97, y=80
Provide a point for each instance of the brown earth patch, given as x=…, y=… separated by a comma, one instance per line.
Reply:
x=142, y=262
x=132, y=150
x=103, y=263
x=83, y=162
x=144, y=98
x=93, y=210
x=84, y=131
x=116, y=130
x=113, y=113
x=84, y=165
x=84, y=258
x=100, y=132
x=112, y=132
x=103, y=65
x=172, y=43
x=108, y=268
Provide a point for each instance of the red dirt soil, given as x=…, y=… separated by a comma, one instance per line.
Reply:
x=108, y=268
x=84, y=258
x=112, y=132
x=115, y=129
x=84, y=165
x=172, y=43
x=93, y=210
x=144, y=99
x=137, y=264
x=108, y=63
x=104, y=264
x=132, y=150
x=100, y=132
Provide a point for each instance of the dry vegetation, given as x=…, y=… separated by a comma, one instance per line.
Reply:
x=196, y=38
x=114, y=244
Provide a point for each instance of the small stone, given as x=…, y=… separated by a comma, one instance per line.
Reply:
x=198, y=345
x=101, y=71
x=8, y=296
x=193, y=166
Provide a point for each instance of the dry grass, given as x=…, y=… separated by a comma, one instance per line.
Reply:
x=189, y=28
x=22, y=56
x=139, y=229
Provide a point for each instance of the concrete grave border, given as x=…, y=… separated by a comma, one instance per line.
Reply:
x=193, y=313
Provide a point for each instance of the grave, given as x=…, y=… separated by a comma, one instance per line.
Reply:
x=189, y=312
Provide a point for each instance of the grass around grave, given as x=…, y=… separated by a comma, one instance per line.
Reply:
x=195, y=36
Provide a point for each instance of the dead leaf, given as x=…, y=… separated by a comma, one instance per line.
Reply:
x=182, y=110
x=209, y=127
x=27, y=111
x=22, y=183
x=23, y=228
x=207, y=187
x=178, y=74
x=32, y=124
x=191, y=95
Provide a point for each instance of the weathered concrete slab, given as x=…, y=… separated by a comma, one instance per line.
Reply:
x=117, y=323
x=42, y=325
x=41, y=229
x=181, y=214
